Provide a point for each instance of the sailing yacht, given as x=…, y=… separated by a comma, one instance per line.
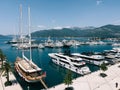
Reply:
x=26, y=68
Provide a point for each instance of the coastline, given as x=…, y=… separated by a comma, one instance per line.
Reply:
x=15, y=85
x=95, y=82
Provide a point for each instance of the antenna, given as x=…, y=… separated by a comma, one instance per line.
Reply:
x=29, y=32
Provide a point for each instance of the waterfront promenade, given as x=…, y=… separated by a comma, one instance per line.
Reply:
x=95, y=82
x=88, y=82
x=15, y=85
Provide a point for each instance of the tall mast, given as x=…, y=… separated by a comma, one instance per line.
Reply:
x=21, y=36
x=20, y=20
x=29, y=32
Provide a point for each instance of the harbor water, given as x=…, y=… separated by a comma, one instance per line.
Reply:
x=55, y=73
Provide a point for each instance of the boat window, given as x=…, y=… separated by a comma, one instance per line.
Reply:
x=75, y=61
x=64, y=62
x=54, y=58
x=92, y=59
x=60, y=56
x=79, y=66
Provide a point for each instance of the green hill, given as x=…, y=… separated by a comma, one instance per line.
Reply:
x=104, y=31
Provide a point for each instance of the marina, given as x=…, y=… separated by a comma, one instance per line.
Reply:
x=59, y=45
x=56, y=43
x=55, y=73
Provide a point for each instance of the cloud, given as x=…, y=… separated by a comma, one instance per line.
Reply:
x=58, y=27
x=116, y=22
x=98, y=2
x=38, y=27
x=67, y=26
x=41, y=26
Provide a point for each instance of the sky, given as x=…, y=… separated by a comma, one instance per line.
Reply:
x=47, y=14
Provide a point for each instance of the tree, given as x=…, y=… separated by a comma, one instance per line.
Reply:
x=2, y=57
x=68, y=79
x=103, y=67
x=7, y=68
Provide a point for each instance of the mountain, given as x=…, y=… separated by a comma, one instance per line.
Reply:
x=5, y=36
x=2, y=36
x=107, y=31
x=103, y=31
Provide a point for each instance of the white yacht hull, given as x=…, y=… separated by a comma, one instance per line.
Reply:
x=83, y=70
x=92, y=60
x=98, y=63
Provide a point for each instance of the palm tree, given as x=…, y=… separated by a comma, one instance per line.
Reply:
x=68, y=80
x=2, y=57
x=7, y=68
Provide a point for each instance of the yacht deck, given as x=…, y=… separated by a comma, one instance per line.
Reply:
x=28, y=66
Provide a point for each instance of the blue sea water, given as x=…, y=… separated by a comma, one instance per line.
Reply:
x=55, y=74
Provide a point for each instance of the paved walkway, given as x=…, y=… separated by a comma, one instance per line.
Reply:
x=94, y=82
x=88, y=82
x=15, y=85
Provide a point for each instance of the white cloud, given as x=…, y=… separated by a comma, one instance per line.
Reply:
x=98, y=2
x=38, y=27
x=67, y=26
x=41, y=26
x=58, y=27
x=116, y=22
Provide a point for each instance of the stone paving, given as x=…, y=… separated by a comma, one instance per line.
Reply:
x=94, y=82
x=15, y=85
